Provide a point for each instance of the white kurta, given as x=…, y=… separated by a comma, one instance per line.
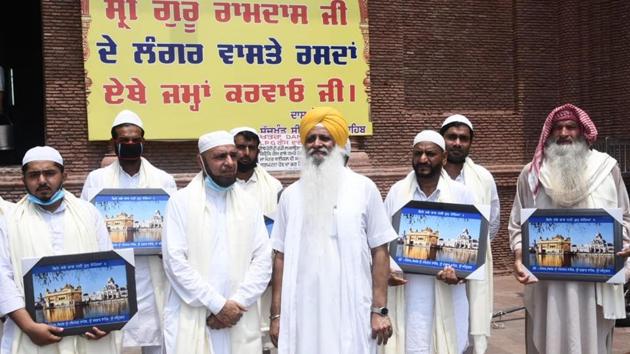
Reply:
x=264, y=188
x=97, y=180
x=566, y=316
x=11, y=298
x=419, y=290
x=212, y=292
x=327, y=291
x=495, y=208
x=147, y=331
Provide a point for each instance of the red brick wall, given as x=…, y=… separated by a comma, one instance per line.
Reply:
x=504, y=64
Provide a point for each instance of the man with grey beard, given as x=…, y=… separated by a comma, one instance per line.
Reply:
x=331, y=263
x=569, y=316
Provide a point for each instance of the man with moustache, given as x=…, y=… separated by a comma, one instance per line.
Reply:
x=457, y=131
x=48, y=221
x=253, y=178
x=331, y=264
x=263, y=188
x=569, y=316
x=131, y=170
x=217, y=258
x=428, y=323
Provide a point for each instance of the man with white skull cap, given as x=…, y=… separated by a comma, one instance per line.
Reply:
x=261, y=186
x=131, y=170
x=457, y=131
x=427, y=325
x=48, y=221
x=217, y=258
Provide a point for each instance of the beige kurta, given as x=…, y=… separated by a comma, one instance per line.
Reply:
x=565, y=316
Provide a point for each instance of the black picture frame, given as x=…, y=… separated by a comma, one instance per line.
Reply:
x=420, y=249
x=120, y=206
x=569, y=255
x=67, y=305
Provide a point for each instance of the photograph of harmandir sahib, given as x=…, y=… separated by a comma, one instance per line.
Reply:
x=435, y=235
x=85, y=290
x=579, y=245
x=134, y=217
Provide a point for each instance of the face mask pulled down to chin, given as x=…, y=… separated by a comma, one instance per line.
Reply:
x=129, y=151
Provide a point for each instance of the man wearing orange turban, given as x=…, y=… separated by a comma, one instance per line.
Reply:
x=330, y=119
x=330, y=237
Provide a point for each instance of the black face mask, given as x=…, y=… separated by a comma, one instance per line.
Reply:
x=130, y=151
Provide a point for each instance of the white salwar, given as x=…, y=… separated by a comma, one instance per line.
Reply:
x=567, y=316
x=75, y=227
x=480, y=292
x=215, y=247
x=327, y=291
x=151, y=281
x=428, y=305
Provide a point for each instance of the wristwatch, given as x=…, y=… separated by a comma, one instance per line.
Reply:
x=383, y=311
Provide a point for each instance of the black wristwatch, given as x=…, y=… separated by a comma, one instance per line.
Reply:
x=383, y=311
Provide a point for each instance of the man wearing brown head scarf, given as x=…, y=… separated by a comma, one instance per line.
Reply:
x=331, y=264
x=569, y=316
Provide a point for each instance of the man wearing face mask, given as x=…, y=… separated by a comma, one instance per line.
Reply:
x=47, y=221
x=131, y=170
x=217, y=258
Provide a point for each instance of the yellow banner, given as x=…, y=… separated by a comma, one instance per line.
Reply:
x=189, y=67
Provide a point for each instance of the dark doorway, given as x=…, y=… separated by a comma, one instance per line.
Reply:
x=22, y=61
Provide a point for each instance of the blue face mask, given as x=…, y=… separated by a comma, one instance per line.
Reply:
x=210, y=183
x=55, y=198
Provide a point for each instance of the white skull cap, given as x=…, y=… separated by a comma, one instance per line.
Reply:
x=238, y=130
x=214, y=139
x=42, y=153
x=430, y=136
x=127, y=117
x=457, y=118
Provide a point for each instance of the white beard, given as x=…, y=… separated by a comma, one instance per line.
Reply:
x=320, y=188
x=565, y=167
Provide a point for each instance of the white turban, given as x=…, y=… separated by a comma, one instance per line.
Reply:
x=238, y=130
x=457, y=118
x=213, y=139
x=42, y=153
x=127, y=117
x=429, y=136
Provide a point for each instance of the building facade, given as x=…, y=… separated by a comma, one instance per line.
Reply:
x=66, y=296
x=503, y=64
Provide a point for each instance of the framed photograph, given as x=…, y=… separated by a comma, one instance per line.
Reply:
x=434, y=235
x=80, y=291
x=572, y=244
x=134, y=217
